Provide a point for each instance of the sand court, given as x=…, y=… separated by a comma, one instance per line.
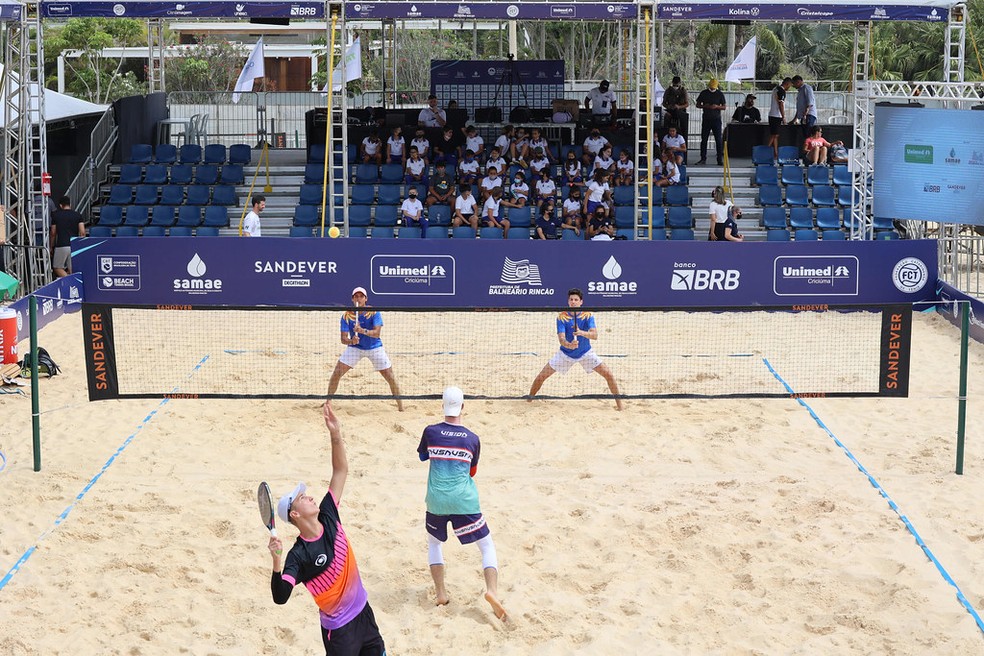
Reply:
x=676, y=527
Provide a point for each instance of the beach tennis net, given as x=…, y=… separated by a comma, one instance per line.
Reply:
x=265, y=352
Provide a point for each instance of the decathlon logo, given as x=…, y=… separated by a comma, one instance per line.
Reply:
x=687, y=277
x=612, y=286
x=910, y=275
x=196, y=282
x=414, y=275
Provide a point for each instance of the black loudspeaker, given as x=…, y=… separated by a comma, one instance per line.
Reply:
x=488, y=115
x=521, y=114
x=270, y=21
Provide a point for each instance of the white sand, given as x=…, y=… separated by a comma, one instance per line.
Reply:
x=676, y=527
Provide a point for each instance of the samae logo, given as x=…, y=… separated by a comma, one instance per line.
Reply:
x=687, y=277
x=197, y=283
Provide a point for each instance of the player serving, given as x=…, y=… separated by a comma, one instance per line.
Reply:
x=575, y=330
x=360, y=334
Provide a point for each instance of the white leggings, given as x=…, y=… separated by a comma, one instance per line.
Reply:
x=435, y=553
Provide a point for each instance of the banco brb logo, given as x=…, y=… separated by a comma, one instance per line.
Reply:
x=692, y=279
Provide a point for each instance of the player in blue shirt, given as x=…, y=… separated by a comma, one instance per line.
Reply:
x=452, y=496
x=360, y=334
x=575, y=330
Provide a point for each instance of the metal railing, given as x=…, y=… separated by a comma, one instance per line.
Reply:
x=84, y=189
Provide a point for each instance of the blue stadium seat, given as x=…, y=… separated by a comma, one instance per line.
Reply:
x=833, y=235
x=189, y=216
x=570, y=235
x=306, y=215
x=659, y=217
x=389, y=194
x=155, y=174
x=762, y=155
x=792, y=174
x=206, y=174
x=224, y=195
x=628, y=233
x=680, y=217
x=130, y=174
x=677, y=195
x=520, y=217
x=100, y=231
x=216, y=216
x=353, y=153
x=166, y=154
x=681, y=234
x=796, y=196
x=127, y=231
x=789, y=155
x=766, y=174
x=198, y=195
x=463, y=232
x=146, y=195
x=489, y=233
x=805, y=235
x=770, y=196
x=141, y=153
x=215, y=154
x=316, y=153
x=162, y=216
x=137, y=216
x=683, y=174
x=887, y=234
x=658, y=234
x=172, y=195
x=517, y=233
x=111, y=216
x=181, y=174
x=362, y=194
x=364, y=174
x=240, y=154
x=386, y=215
x=842, y=176
x=625, y=217
x=774, y=218
x=190, y=154
x=818, y=175
x=391, y=174
x=232, y=174
x=828, y=218
x=777, y=235
x=823, y=196
x=153, y=231
x=207, y=231
x=624, y=195
x=409, y=232
x=120, y=195
x=437, y=232
x=179, y=231
x=845, y=196
x=801, y=218
x=300, y=231
x=382, y=233
x=315, y=174
x=849, y=222
x=310, y=194
x=359, y=215
x=439, y=215
x=882, y=223
x=357, y=232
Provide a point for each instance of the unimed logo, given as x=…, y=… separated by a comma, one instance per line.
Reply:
x=416, y=275
x=918, y=154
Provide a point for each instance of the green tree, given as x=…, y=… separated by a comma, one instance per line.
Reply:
x=90, y=75
x=212, y=64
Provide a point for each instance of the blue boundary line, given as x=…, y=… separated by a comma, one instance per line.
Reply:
x=891, y=504
x=64, y=514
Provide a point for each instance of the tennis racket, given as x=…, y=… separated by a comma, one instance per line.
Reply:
x=574, y=331
x=266, y=507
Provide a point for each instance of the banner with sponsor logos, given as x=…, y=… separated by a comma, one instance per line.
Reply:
x=535, y=83
x=526, y=10
x=501, y=273
x=193, y=9
x=953, y=308
x=782, y=10
x=60, y=297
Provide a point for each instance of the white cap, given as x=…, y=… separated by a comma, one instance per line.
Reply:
x=454, y=398
x=288, y=499
x=359, y=289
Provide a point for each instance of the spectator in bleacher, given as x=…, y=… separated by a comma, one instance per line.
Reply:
x=505, y=140
x=806, y=105
x=441, y=190
x=712, y=101
x=599, y=193
x=573, y=171
x=538, y=141
x=777, y=113
x=601, y=103
x=251, y=222
x=495, y=160
x=521, y=148
x=815, y=147
x=412, y=212
x=605, y=160
x=446, y=148
x=490, y=213
x=65, y=224
x=416, y=168
x=669, y=171
x=592, y=146
x=573, y=210
x=489, y=183
x=549, y=224
x=675, y=102
x=546, y=188
x=432, y=116
x=600, y=226
x=396, y=147
x=465, y=208
x=518, y=193
x=468, y=169
x=728, y=230
x=371, y=148
x=674, y=142
x=473, y=141
x=422, y=144
x=748, y=112
x=718, y=210
x=624, y=169
x=538, y=163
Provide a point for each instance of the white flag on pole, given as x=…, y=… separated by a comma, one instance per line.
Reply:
x=743, y=67
x=658, y=91
x=251, y=71
x=352, y=60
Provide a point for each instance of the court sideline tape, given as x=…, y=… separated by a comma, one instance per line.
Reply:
x=64, y=514
x=891, y=504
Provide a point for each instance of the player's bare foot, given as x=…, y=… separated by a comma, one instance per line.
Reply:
x=399, y=406
x=442, y=600
x=497, y=608
x=618, y=405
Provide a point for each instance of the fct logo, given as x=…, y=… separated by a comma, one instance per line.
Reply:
x=687, y=277
x=910, y=275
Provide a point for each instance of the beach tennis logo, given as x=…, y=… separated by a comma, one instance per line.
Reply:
x=196, y=282
x=910, y=275
x=687, y=277
x=118, y=273
x=413, y=275
x=612, y=286
x=816, y=275
x=521, y=277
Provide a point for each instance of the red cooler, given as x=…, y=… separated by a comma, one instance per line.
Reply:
x=8, y=336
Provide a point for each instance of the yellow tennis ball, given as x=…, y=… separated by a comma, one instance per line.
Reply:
x=334, y=232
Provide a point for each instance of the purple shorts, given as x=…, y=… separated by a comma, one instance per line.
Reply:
x=467, y=528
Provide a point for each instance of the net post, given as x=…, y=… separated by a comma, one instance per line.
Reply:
x=35, y=395
x=962, y=392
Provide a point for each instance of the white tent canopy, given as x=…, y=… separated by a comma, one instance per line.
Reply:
x=57, y=106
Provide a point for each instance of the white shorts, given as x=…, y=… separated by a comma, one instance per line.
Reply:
x=377, y=356
x=562, y=363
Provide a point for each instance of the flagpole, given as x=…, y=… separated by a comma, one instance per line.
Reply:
x=329, y=158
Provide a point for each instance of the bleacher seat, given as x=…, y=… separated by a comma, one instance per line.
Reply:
x=362, y=194
x=357, y=232
x=882, y=223
x=518, y=233
x=520, y=217
x=155, y=174
x=763, y=155
x=833, y=235
x=463, y=232
x=189, y=216
x=190, y=154
x=316, y=153
x=232, y=174
x=130, y=174
x=153, y=231
x=777, y=235
x=849, y=221
x=198, y=195
x=240, y=154
x=216, y=216
x=389, y=194
x=382, y=233
x=120, y=195
x=439, y=215
x=207, y=231
x=137, y=216
x=179, y=231
x=128, y=231
x=359, y=215
x=659, y=217
x=887, y=234
x=111, y=215
x=206, y=174
x=306, y=215
x=315, y=174
x=823, y=196
x=166, y=154
x=386, y=215
x=789, y=155
x=300, y=231
x=770, y=196
x=409, y=232
x=842, y=176
x=162, y=216
x=628, y=233
x=817, y=174
x=681, y=234
x=146, y=195
x=801, y=218
x=181, y=174
x=100, y=231
x=677, y=195
x=391, y=174
x=792, y=174
x=437, y=232
x=310, y=194
x=683, y=174
x=828, y=218
x=657, y=234
x=805, y=235
x=680, y=217
x=774, y=218
x=624, y=195
x=766, y=174
x=625, y=217
x=141, y=153
x=796, y=196
x=172, y=195
x=215, y=154
x=364, y=174
x=489, y=233
x=353, y=153
x=845, y=196
x=224, y=195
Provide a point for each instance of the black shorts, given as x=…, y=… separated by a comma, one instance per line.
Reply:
x=774, y=123
x=360, y=637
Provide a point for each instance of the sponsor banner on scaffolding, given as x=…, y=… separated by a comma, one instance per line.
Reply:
x=60, y=297
x=503, y=273
x=792, y=11
x=493, y=10
x=152, y=9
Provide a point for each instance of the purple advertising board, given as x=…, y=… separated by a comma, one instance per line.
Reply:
x=799, y=12
x=182, y=10
x=501, y=273
x=953, y=308
x=535, y=83
x=493, y=10
x=60, y=297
